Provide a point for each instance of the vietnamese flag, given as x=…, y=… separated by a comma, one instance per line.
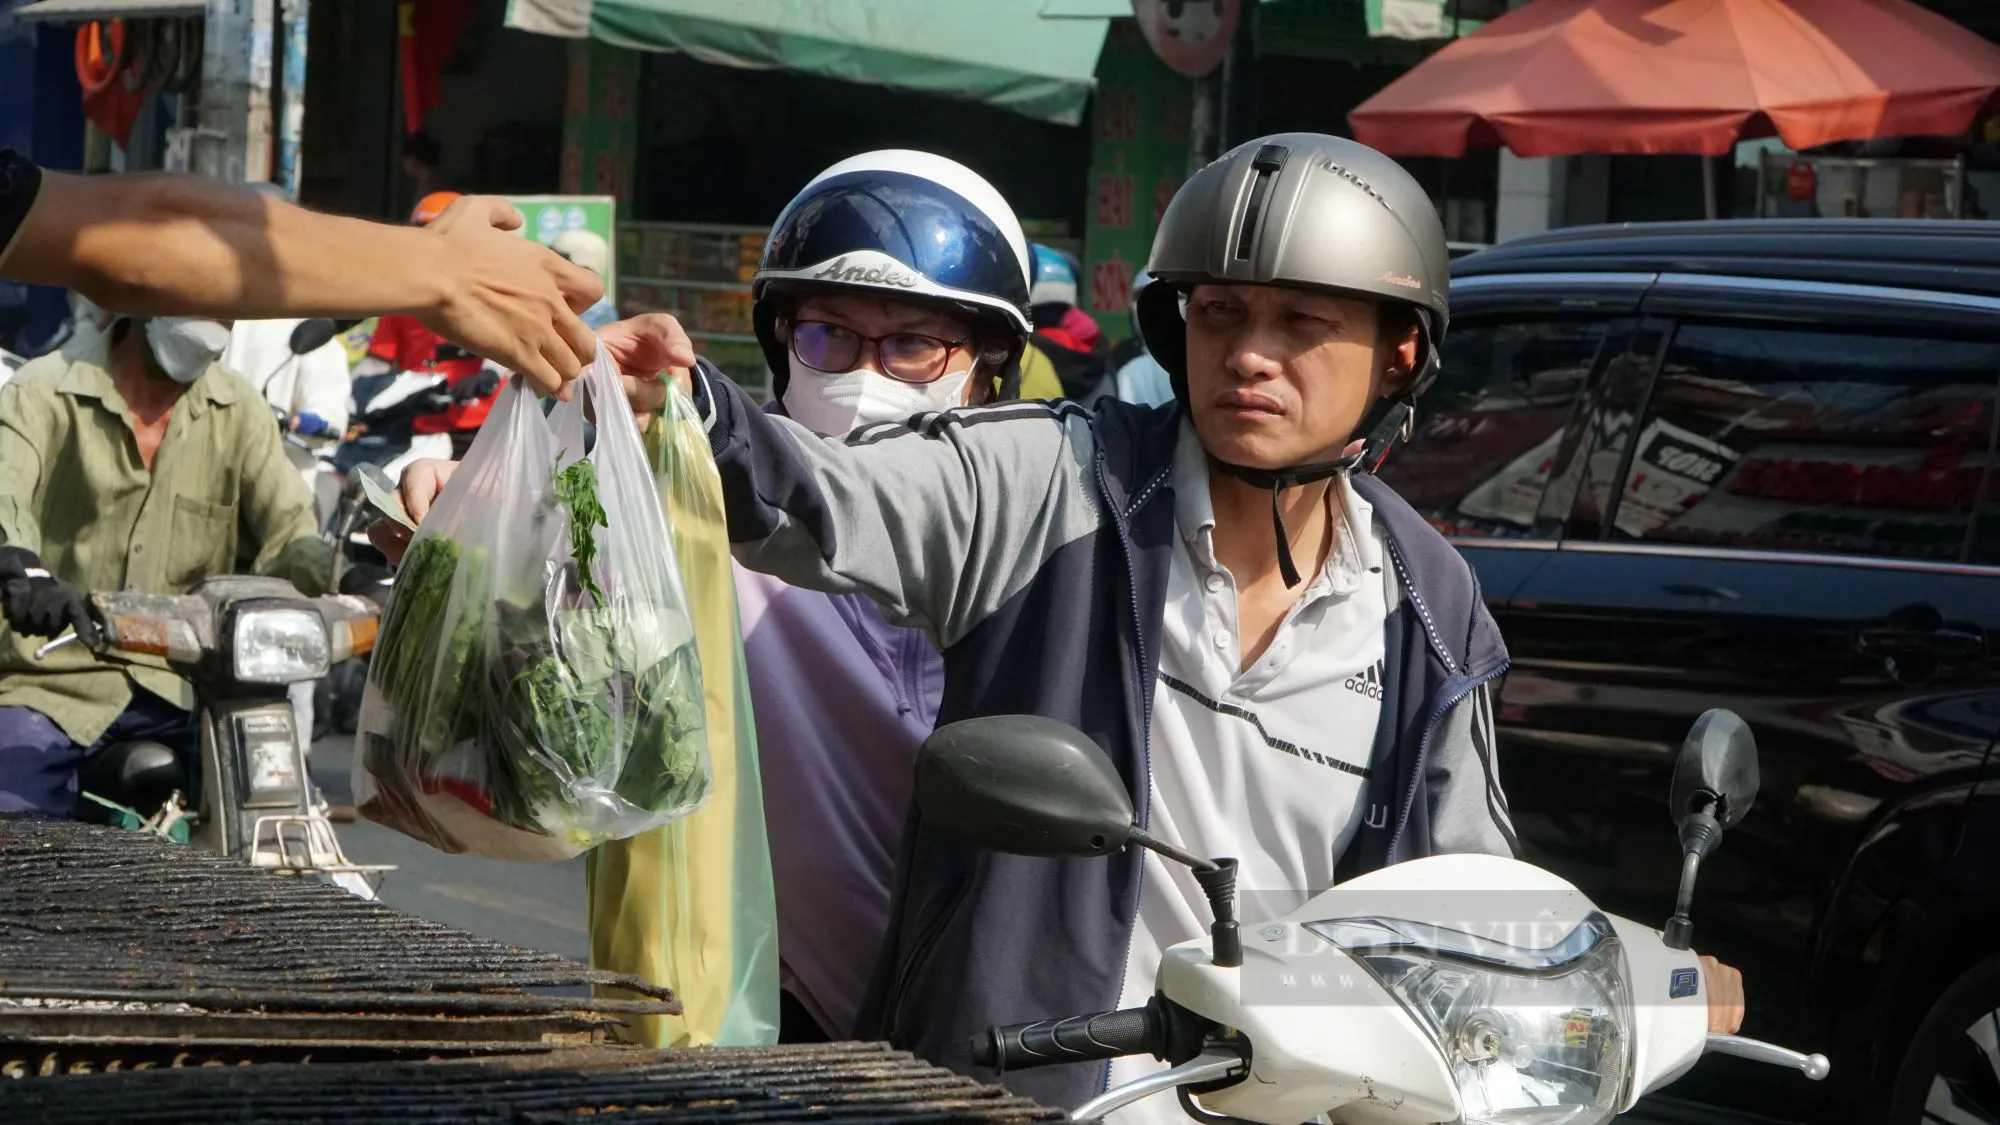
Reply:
x=427, y=31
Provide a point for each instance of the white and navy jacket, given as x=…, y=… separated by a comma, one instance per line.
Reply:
x=1032, y=541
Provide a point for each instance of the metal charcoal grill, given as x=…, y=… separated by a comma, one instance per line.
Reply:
x=846, y=1082
x=122, y=951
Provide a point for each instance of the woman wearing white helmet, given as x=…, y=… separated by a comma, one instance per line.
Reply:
x=895, y=284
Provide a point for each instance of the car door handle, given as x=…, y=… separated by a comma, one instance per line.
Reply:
x=1944, y=642
x=1694, y=590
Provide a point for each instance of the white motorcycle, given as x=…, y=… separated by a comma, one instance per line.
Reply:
x=1461, y=988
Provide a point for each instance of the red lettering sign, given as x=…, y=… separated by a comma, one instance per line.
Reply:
x=576, y=94
x=1175, y=108
x=1838, y=483
x=1114, y=199
x=1118, y=116
x=606, y=173
x=1111, y=285
x=616, y=93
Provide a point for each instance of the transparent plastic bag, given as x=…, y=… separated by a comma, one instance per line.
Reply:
x=536, y=689
x=690, y=905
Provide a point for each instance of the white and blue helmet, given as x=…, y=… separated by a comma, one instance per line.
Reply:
x=912, y=225
x=1055, y=276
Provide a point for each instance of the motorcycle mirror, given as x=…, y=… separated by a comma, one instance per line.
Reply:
x=1022, y=784
x=1717, y=770
x=312, y=335
x=1715, y=782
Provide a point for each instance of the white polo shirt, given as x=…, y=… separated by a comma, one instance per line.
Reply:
x=1267, y=765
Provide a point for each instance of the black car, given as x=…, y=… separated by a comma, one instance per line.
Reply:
x=1752, y=465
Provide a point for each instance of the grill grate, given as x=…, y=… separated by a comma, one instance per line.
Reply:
x=113, y=936
x=848, y=1082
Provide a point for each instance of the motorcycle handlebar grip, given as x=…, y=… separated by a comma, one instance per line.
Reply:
x=1105, y=1035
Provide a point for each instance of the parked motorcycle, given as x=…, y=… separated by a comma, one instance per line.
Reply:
x=359, y=571
x=382, y=434
x=241, y=641
x=315, y=461
x=386, y=407
x=1463, y=988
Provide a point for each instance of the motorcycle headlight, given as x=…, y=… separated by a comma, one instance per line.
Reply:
x=1540, y=1036
x=279, y=646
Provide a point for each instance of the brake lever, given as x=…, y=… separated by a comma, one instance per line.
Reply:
x=1814, y=1067
x=1212, y=1066
x=68, y=638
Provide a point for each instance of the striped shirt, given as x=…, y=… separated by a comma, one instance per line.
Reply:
x=1265, y=764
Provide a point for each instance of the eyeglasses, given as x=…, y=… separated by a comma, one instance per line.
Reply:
x=907, y=357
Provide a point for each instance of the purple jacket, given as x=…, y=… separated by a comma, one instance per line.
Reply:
x=843, y=699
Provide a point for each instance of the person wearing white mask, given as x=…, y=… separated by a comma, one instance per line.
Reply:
x=133, y=462
x=896, y=283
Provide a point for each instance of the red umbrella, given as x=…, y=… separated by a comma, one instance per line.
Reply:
x=1562, y=77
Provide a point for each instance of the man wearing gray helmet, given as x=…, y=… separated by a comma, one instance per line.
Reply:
x=1284, y=661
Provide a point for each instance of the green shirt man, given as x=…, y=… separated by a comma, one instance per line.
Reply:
x=116, y=475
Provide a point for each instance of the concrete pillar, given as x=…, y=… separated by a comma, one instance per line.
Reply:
x=233, y=139
x=1530, y=196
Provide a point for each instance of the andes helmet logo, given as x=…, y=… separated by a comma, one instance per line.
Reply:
x=880, y=273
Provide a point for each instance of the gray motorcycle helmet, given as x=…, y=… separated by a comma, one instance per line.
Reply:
x=1305, y=211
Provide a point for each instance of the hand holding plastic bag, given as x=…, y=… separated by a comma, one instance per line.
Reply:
x=536, y=689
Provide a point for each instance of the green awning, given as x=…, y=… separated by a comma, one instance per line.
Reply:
x=1392, y=19
x=1001, y=52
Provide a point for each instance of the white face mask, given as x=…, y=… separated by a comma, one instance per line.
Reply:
x=184, y=346
x=834, y=404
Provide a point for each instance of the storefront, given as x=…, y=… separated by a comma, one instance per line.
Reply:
x=704, y=131
x=1314, y=60
x=1816, y=186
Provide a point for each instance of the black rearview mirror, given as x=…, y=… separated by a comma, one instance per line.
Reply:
x=1717, y=770
x=1022, y=784
x=312, y=335
x=1715, y=783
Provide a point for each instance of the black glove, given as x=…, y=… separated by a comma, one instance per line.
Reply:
x=477, y=387
x=37, y=603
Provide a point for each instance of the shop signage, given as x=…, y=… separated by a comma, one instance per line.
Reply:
x=1139, y=155
x=1190, y=36
x=546, y=216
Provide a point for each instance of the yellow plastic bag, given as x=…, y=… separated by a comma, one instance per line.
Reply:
x=690, y=905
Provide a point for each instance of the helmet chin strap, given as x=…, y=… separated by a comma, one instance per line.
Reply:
x=1387, y=420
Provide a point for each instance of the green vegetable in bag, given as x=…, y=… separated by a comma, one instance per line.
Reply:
x=572, y=718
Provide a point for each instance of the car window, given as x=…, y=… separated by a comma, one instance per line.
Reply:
x=1986, y=536
x=1621, y=394
x=1487, y=430
x=1809, y=440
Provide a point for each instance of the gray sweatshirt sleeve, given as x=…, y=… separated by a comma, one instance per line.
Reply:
x=939, y=519
x=1468, y=808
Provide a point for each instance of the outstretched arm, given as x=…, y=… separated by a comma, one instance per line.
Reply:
x=159, y=244
x=940, y=521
